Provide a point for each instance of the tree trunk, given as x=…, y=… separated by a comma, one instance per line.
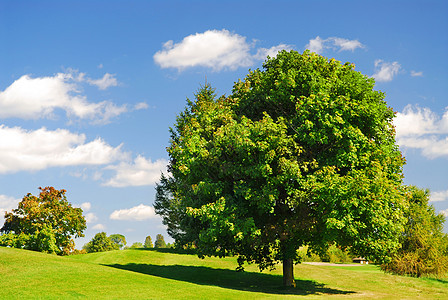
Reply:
x=288, y=273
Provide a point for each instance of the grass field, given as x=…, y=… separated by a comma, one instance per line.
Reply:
x=151, y=274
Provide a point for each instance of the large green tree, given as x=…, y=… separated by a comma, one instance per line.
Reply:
x=302, y=152
x=44, y=223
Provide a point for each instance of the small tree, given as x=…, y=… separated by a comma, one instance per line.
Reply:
x=160, y=241
x=100, y=243
x=148, y=242
x=424, y=245
x=44, y=223
x=118, y=239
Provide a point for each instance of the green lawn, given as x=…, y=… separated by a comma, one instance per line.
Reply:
x=150, y=274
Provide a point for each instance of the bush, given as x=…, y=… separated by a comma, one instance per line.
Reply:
x=15, y=240
x=136, y=245
x=77, y=252
x=42, y=240
x=303, y=254
x=335, y=254
x=411, y=263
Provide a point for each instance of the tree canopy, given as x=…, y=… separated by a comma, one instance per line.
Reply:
x=118, y=239
x=302, y=152
x=148, y=242
x=160, y=241
x=44, y=223
x=101, y=243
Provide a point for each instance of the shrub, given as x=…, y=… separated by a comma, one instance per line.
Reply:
x=136, y=245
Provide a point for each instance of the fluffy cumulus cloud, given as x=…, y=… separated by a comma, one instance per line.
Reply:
x=319, y=45
x=140, y=172
x=91, y=218
x=136, y=213
x=216, y=49
x=213, y=48
x=32, y=150
x=385, y=71
x=421, y=128
x=439, y=196
x=86, y=206
x=41, y=97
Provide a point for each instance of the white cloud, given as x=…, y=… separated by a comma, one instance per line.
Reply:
x=35, y=98
x=99, y=227
x=347, y=45
x=315, y=45
x=416, y=74
x=136, y=213
x=23, y=150
x=416, y=121
x=385, y=71
x=431, y=147
x=216, y=49
x=107, y=81
x=262, y=53
x=420, y=128
x=141, y=105
x=6, y=205
x=141, y=172
x=106, y=111
x=86, y=206
x=318, y=44
x=439, y=196
x=91, y=218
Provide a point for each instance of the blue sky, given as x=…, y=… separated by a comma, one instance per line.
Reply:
x=88, y=89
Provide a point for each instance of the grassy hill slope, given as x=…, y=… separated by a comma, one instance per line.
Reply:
x=150, y=274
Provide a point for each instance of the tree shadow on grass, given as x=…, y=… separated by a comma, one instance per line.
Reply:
x=441, y=280
x=244, y=281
